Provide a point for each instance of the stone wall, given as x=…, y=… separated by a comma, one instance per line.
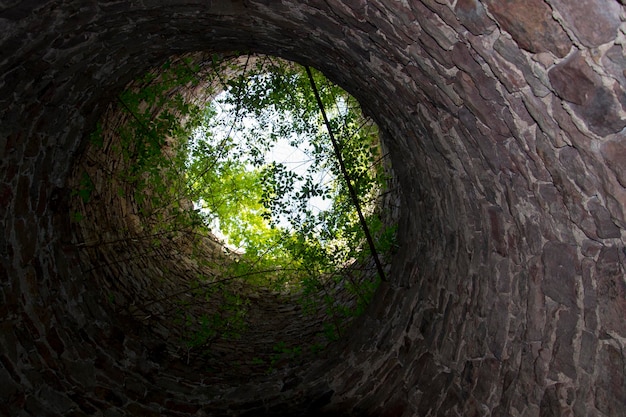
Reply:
x=151, y=266
x=505, y=123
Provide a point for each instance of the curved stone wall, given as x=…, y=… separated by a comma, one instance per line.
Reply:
x=152, y=266
x=505, y=124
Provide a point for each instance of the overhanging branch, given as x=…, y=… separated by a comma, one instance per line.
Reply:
x=344, y=172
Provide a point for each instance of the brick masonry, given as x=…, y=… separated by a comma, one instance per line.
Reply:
x=505, y=122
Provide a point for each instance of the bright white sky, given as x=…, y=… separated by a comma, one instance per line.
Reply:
x=295, y=159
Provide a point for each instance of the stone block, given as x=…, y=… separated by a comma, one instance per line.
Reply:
x=587, y=355
x=563, y=350
x=560, y=268
x=32, y=405
x=610, y=395
x=434, y=393
x=57, y=401
x=614, y=153
x=593, y=22
x=428, y=46
x=498, y=326
x=487, y=368
x=536, y=301
x=555, y=400
x=614, y=63
x=605, y=227
x=575, y=169
x=444, y=12
x=22, y=195
x=590, y=248
x=611, y=289
x=510, y=52
x=109, y=396
x=485, y=110
x=531, y=25
x=497, y=231
x=26, y=239
x=548, y=129
x=576, y=82
x=472, y=15
x=137, y=409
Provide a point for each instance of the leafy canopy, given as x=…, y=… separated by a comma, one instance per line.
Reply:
x=294, y=214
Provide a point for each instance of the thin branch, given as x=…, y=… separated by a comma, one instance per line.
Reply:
x=203, y=285
x=352, y=191
x=232, y=126
x=132, y=113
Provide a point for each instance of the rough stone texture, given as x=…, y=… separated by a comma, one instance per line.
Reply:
x=575, y=81
x=593, y=23
x=505, y=123
x=473, y=16
x=531, y=24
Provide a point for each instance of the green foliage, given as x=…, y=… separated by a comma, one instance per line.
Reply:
x=222, y=314
x=258, y=361
x=281, y=224
x=176, y=151
x=96, y=137
x=284, y=352
x=85, y=188
x=77, y=217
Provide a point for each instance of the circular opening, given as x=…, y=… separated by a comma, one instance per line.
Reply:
x=189, y=154
x=288, y=181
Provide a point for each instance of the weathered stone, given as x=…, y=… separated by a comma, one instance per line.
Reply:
x=536, y=301
x=614, y=61
x=614, y=153
x=432, y=24
x=472, y=15
x=481, y=108
x=26, y=240
x=506, y=48
x=610, y=395
x=494, y=157
x=575, y=81
x=570, y=134
x=616, y=204
x=531, y=24
x=587, y=355
x=445, y=12
x=570, y=158
x=22, y=196
x=590, y=297
x=563, y=352
x=140, y=410
x=547, y=126
x=593, y=22
x=486, y=367
x=603, y=113
x=432, y=48
x=611, y=289
x=182, y=407
x=498, y=327
x=605, y=227
x=497, y=231
x=560, y=266
x=55, y=341
x=590, y=248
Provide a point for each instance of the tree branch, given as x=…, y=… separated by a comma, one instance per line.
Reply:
x=351, y=190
